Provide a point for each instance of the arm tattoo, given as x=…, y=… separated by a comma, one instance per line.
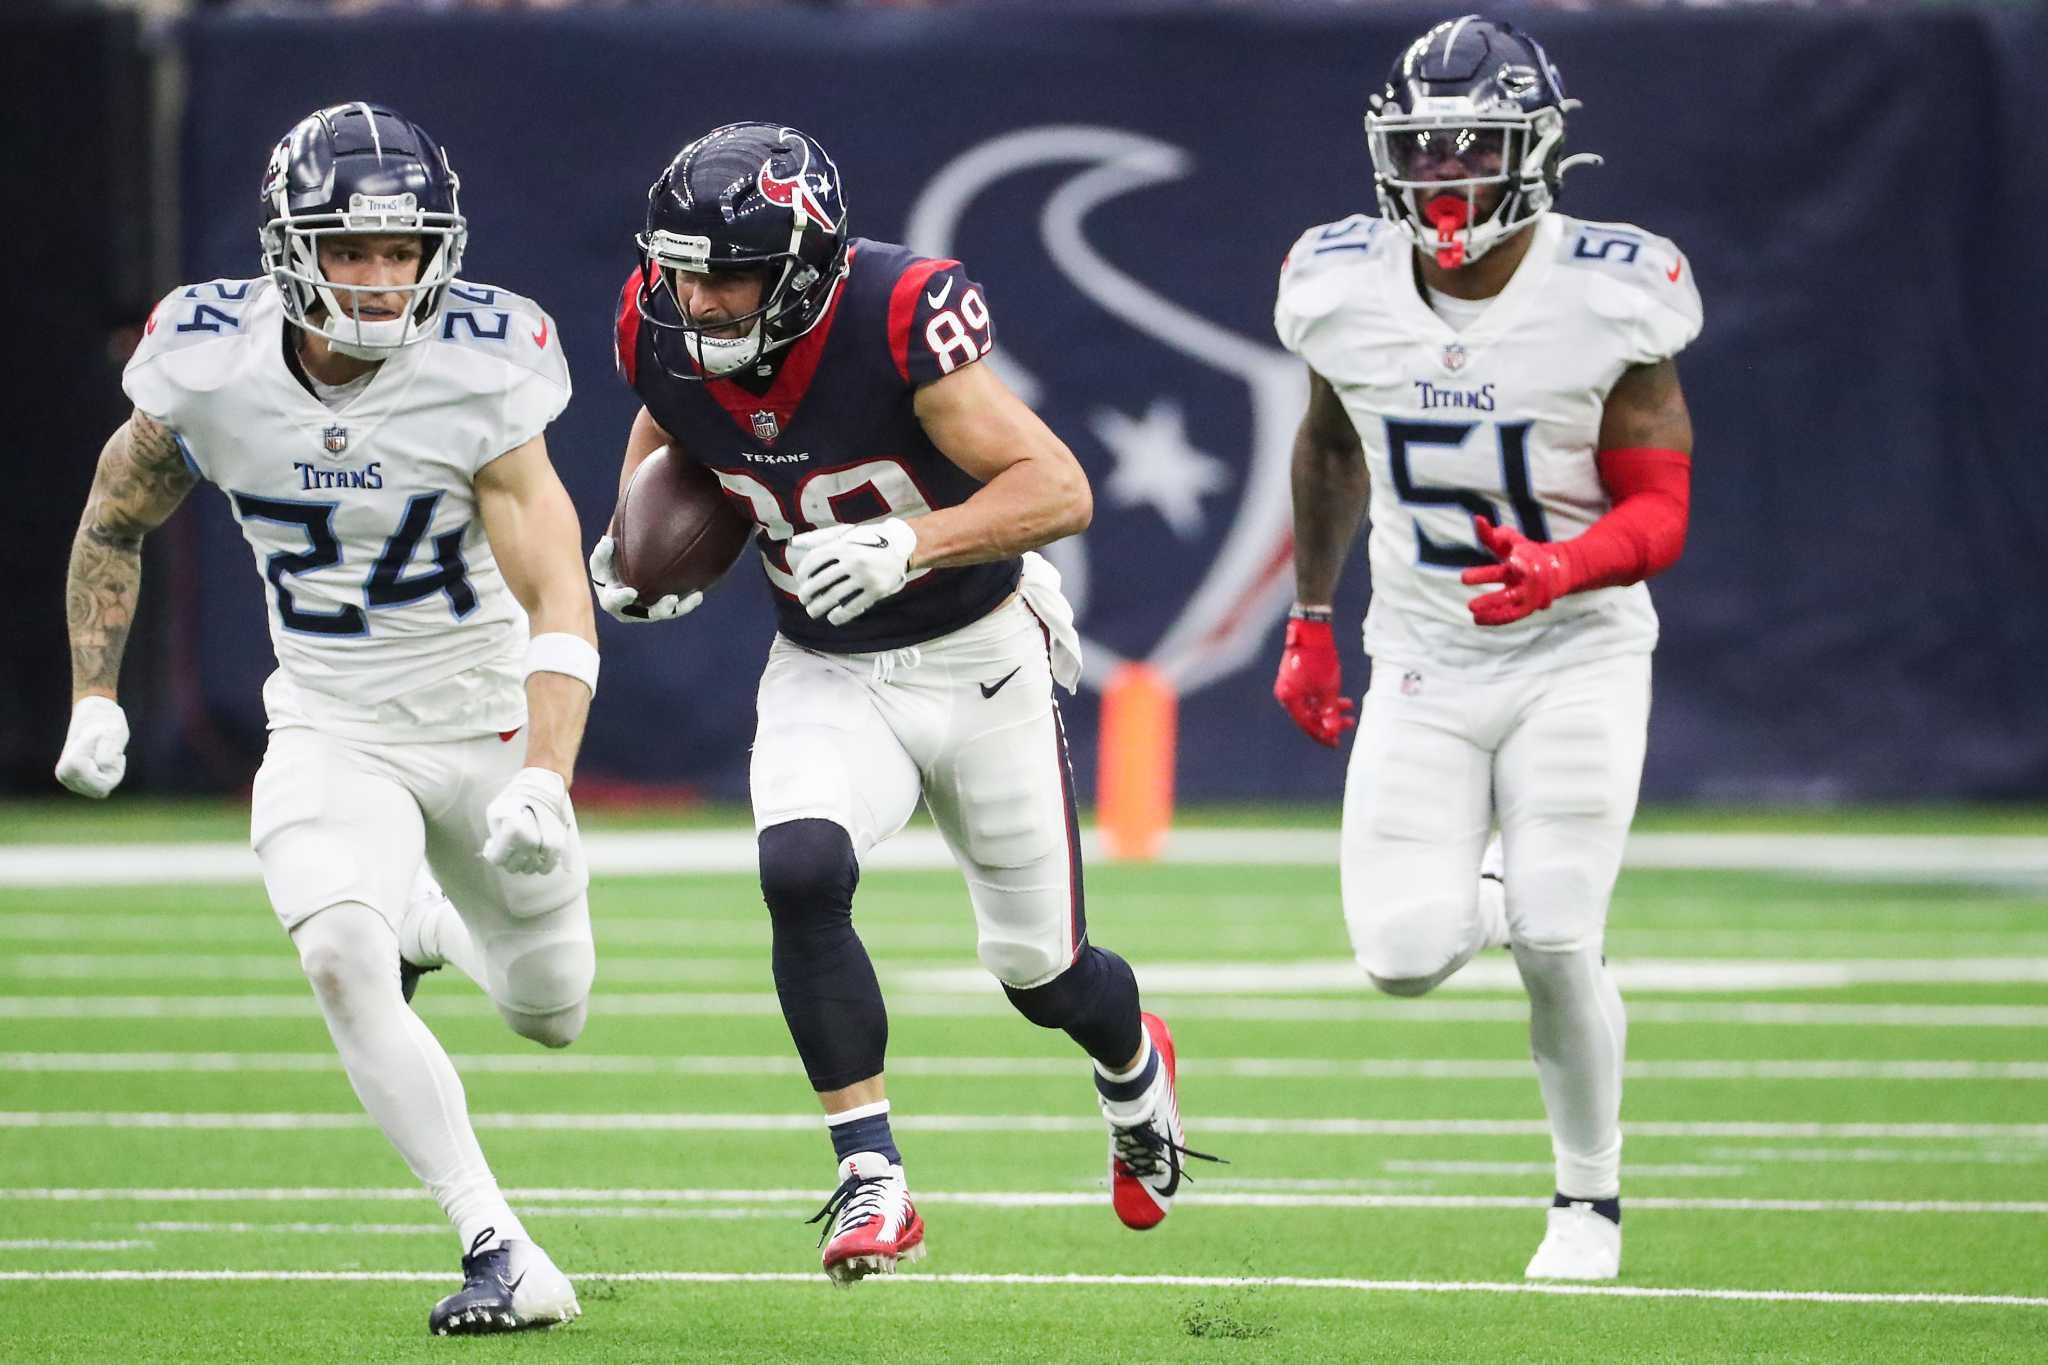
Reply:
x=1646, y=407
x=140, y=481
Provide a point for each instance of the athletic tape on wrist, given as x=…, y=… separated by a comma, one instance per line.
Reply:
x=559, y=652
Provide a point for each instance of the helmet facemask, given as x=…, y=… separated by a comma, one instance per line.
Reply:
x=1505, y=165
x=314, y=303
x=792, y=295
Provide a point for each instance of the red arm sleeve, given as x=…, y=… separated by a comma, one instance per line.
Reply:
x=1643, y=534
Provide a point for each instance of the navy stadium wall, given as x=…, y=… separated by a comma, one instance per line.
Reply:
x=1860, y=610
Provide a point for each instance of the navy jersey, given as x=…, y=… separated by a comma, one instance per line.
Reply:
x=834, y=439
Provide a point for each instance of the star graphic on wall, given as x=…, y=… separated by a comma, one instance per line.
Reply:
x=1157, y=467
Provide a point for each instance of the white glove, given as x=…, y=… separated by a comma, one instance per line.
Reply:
x=95, y=755
x=847, y=569
x=622, y=603
x=530, y=822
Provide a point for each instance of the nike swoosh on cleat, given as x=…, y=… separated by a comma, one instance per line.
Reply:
x=938, y=300
x=1676, y=266
x=990, y=689
x=512, y=1286
x=540, y=338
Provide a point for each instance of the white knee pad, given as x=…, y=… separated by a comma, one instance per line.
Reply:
x=546, y=978
x=1411, y=949
x=1026, y=923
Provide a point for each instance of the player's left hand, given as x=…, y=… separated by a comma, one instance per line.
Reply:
x=530, y=822
x=1532, y=575
x=845, y=570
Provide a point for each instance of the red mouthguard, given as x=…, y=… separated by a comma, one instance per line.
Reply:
x=1448, y=213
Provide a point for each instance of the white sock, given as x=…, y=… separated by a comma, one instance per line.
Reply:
x=398, y=1068
x=433, y=931
x=1578, y=1032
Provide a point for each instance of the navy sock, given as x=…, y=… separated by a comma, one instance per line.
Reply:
x=867, y=1133
x=1610, y=1209
x=1123, y=1092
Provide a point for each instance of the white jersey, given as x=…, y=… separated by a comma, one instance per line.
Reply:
x=388, y=614
x=1501, y=419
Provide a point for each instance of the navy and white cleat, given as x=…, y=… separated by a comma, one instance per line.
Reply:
x=510, y=1288
x=427, y=904
x=409, y=974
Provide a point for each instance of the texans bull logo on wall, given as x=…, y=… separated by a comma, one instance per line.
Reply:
x=1192, y=542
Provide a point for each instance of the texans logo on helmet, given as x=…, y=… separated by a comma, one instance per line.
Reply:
x=796, y=191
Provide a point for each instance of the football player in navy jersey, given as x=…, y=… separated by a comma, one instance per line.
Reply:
x=831, y=385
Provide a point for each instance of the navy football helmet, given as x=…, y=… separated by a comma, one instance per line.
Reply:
x=745, y=197
x=360, y=168
x=1467, y=139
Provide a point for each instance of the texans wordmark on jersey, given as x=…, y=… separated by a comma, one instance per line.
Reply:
x=834, y=438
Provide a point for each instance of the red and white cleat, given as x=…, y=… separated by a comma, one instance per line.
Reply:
x=1146, y=1144
x=874, y=1224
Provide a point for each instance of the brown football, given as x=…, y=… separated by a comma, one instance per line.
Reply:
x=675, y=530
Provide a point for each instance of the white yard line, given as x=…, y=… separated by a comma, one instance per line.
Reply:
x=1636, y=1170
x=743, y=1204
x=292, y=1121
x=815, y=1280
x=299, y=1005
x=1242, y=1068
x=594, y=1200
x=67, y=1244
x=1495, y=973
x=1877, y=857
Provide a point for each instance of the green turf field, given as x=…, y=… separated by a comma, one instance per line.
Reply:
x=1837, y=1088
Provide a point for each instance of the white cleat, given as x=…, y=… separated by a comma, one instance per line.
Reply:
x=510, y=1288
x=1579, y=1245
x=427, y=904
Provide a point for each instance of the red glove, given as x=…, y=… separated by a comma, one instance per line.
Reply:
x=1310, y=677
x=1532, y=574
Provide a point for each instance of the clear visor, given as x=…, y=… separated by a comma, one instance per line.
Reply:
x=1413, y=154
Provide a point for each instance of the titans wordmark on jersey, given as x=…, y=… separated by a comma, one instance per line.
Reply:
x=1501, y=419
x=833, y=438
x=388, y=613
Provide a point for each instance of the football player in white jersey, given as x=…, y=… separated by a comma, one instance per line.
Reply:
x=1497, y=381
x=375, y=425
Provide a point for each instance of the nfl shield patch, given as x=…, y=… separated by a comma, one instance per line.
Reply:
x=766, y=428
x=1454, y=357
x=334, y=439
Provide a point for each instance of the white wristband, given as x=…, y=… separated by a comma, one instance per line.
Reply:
x=560, y=652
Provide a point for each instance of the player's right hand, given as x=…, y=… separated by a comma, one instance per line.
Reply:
x=622, y=603
x=1310, y=683
x=95, y=756
x=529, y=822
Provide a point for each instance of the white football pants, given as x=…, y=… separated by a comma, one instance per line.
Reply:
x=967, y=721
x=340, y=828
x=1555, y=759
x=335, y=821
